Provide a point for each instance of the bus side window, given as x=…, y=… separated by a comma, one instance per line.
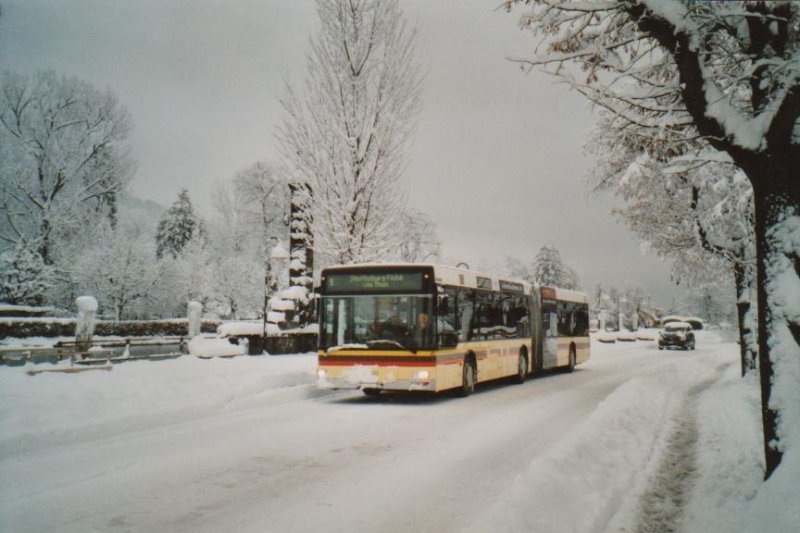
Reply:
x=546, y=322
x=448, y=321
x=566, y=319
x=582, y=320
x=521, y=316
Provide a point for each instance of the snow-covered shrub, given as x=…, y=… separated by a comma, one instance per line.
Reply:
x=24, y=277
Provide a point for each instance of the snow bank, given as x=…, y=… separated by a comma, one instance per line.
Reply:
x=38, y=412
x=255, y=327
x=776, y=507
x=603, y=466
x=605, y=337
x=730, y=460
x=240, y=329
x=626, y=336
x=213, y=347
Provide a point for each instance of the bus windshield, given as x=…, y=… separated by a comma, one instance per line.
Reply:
x=385, y=322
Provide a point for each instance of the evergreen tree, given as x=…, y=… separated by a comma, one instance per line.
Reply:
x=177, y=227
x=550, y=269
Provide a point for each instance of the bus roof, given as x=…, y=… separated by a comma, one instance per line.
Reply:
x=571, y=296
x=448, y=275
x=460, y=277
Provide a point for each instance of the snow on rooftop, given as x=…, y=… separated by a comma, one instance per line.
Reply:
x=281, y=305
x=295, y=292
x=276, y=317
x=678, y=325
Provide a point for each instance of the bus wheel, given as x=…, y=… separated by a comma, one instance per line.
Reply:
x=371, y=392
x=467, y=378
x=522, y=367
x=571, y=365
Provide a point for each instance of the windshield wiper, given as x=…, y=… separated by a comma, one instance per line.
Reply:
x=351, y=346
x=391, y=342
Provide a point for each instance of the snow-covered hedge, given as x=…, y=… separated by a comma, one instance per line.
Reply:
x=65, y=327
x=27, y=310
x=299, y=342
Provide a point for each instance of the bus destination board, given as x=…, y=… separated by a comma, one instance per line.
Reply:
x=368, y=282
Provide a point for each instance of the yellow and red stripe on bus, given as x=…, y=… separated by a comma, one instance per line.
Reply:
x=424, y=370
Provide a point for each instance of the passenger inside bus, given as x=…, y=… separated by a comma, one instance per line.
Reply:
x=422, y=332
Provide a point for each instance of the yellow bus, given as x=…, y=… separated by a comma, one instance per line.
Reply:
x=414, y=327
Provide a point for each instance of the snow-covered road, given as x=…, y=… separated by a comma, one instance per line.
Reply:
x=250, y=445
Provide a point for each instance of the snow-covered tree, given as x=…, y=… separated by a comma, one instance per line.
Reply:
x=24, y=277
x=345, y=132
x=693, y=209
x=713, y=302
x=550, y=269
x=546, y=268
x=236, y=281
x=251, y=211
x=177, y=227
x=192, y=278
x=520, y=268
x=725, y=73
x=119, y=271
x=419, y=240
x=261, y=194
x=63, y=162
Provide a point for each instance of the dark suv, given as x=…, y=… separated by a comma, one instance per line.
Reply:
x=678, y=334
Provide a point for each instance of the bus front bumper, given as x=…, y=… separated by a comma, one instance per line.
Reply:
x=374, y=377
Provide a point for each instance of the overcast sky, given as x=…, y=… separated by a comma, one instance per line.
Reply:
x=497, y=159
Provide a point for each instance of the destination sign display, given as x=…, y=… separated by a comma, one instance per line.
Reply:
x=377, y=282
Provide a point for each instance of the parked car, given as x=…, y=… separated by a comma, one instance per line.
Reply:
x=676, y=334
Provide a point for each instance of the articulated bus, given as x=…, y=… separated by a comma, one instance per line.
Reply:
x=413, y=327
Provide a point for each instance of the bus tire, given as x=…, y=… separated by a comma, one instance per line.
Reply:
x=522, y=366
x=468, y=378
x=572, y=358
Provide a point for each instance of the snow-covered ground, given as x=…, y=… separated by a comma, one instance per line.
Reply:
x=635, y=440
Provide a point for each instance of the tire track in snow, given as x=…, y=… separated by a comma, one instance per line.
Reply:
x=662, y=504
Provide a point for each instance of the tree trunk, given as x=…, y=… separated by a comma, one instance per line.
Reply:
x=748, y=346
x=777, y=231
x=44, y=246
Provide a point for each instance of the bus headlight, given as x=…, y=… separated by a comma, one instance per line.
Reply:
x=423, y=374
x=321, y=374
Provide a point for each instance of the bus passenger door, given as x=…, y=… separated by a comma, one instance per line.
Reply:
x=550, y=344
